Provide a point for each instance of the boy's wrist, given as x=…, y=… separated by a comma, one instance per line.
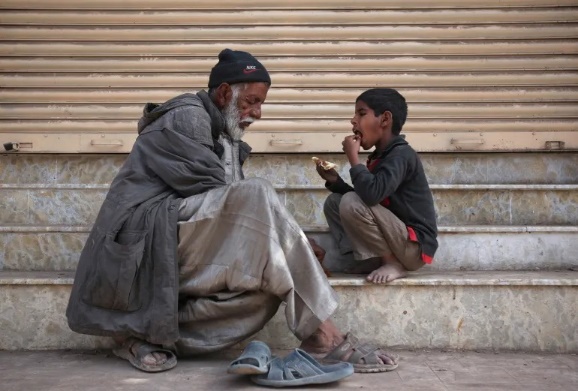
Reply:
x=354, y=160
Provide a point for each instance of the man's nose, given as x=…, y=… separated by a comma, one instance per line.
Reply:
x=353, y=121
x=256, y=112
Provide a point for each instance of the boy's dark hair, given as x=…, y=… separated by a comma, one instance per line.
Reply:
x=381, y=100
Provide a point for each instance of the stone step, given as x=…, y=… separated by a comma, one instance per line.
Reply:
x=297, y=169
x=78, y=204
x=57, y=248
x=487, y=248
x=524, y=311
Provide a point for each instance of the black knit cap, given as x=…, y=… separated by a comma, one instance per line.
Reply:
x=235, y=66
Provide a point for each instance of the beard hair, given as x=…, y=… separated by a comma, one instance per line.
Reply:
x=232, y=115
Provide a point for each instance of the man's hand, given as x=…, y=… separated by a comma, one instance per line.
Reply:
x=319, y=254
x=330, y=176
x=351, y=148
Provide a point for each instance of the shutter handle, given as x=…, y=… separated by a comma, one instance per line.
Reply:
x=457, y=141
x=114, y=143
x=286, y=142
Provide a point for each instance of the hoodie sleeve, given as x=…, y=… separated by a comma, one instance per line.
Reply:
x=339, y=187
x=374, y=187
x=180, y=154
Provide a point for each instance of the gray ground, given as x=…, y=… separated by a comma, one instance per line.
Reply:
x=421, y=370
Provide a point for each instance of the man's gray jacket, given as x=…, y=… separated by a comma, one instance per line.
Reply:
x=127, y=278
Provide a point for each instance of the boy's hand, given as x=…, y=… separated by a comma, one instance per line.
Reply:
x=351, y=146
x=330, y=176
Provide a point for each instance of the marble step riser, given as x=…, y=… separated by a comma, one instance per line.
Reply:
x=297, y=169
x=453, y=206
x=60, y=251
x=526, y=318
x=486, y=251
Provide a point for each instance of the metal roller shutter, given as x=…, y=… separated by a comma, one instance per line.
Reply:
x=499, y=75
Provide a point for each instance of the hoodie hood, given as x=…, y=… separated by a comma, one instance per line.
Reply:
x=396, y=141
x=153, y=111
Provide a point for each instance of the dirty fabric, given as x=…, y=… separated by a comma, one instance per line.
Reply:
x=240, y=255
x=230, y=159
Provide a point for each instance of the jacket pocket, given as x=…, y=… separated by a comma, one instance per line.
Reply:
x=113, y=283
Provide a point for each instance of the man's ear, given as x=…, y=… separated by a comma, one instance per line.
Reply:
x=224, y=95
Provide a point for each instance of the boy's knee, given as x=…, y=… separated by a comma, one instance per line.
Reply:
x=351, y=206
x=331, y=205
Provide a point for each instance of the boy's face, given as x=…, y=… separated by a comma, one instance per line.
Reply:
x=367, y=126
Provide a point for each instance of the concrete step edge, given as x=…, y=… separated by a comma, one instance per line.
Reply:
x=468, y=278
x=322, y=228
x=529, y=187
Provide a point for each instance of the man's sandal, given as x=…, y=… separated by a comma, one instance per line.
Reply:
x=301, y=369
x=364, y=357
x=254, y=360
x=142, y=349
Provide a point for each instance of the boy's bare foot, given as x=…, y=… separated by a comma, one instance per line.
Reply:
x=389, y=271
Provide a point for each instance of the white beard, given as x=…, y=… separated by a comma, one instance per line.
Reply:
x=233, y=117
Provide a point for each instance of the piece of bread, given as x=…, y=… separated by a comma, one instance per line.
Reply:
x=326, y=165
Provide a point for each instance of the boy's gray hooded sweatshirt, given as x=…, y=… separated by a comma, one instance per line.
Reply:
x=126, y=283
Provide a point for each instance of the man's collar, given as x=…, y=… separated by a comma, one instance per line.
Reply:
x=396, y=140
x=217, y=119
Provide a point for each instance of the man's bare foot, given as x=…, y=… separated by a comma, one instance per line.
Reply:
x=390, y=271
x=327, y=337
x=323, y=340
x=152, y=359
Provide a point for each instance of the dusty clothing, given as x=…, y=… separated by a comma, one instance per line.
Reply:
x=230, y=159
x=366, y=233
x=395, y=179
x=241, y=254
x=127, y=278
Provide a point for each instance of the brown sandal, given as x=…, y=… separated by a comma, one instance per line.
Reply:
x=364, y=357
x=141, y=349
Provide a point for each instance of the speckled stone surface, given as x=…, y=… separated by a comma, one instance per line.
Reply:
x=458, y=251
x=501, y=168
x=32, y=317
x=41, y=251
x=88, y=168
x=469, y=207
x=490, y=168
x=65, y=207
x=67, y=191
x=453, y=207
x=14, y=207
x=505, y=311
x=488, y=251
x=21, y=169
x=498, y=207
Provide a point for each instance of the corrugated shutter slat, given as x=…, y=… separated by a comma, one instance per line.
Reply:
x=494, y=75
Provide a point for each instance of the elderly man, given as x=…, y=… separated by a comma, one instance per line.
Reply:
x=186, y=256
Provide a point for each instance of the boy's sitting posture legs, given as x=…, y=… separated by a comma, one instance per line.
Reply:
x=375, y=232
x=388, y=214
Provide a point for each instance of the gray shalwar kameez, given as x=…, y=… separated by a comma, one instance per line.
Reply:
x=238, y=253
x=241, y=254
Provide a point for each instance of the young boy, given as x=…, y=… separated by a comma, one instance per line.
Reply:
x=387, y=218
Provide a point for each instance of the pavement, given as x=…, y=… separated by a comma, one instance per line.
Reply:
x=418, y=370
